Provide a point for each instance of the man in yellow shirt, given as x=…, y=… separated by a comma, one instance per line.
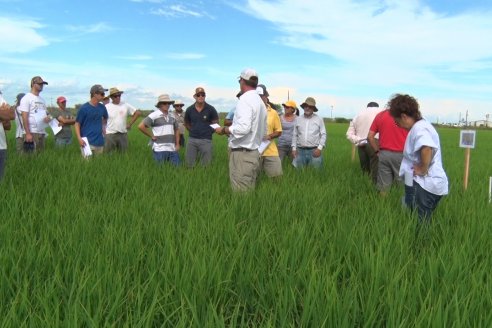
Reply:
x=270, y=161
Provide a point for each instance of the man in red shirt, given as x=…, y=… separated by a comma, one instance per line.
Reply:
x=389, y=149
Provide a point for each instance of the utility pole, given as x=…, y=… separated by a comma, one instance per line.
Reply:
x=466, y=119
x=332, y=112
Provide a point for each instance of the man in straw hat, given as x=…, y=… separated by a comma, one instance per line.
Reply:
x=198, y=118
x=117, y=126
x=309, y=137
x=246, y=133
x=35, y=117
x=91, y=118
x=179, y=116
x=165, y=132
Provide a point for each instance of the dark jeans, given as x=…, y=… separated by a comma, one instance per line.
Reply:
x=166, y=156
x=182, y=140
x=417, y=198
x=368, y=161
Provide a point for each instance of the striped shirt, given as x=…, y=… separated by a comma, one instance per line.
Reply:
x=163, y=128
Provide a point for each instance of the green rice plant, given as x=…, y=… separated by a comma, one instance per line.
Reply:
x=120, y=241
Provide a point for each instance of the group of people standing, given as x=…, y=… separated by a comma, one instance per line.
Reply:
x=398, y=145
x=394, y=144
x=102, y=124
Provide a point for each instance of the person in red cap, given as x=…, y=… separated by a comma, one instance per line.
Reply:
x=66, y=119
x=34, y=116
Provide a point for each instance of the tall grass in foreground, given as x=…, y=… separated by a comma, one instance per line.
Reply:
x=119, y=241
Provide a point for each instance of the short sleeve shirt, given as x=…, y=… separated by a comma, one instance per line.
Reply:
x=66, y=131
x=200, y=121
x=90, y=119
x=163, y=128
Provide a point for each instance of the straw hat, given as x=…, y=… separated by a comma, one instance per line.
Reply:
x=164, y=99
x=310, y=102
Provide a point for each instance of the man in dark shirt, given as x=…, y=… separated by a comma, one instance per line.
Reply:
x=198, y=118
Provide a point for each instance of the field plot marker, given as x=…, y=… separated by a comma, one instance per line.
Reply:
x=467, y=141
x=353, y=152
x=490, y=190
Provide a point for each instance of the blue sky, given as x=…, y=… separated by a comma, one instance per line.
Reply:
x=343, y=53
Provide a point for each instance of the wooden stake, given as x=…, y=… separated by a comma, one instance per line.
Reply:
x=467, y=168
x=353, y=152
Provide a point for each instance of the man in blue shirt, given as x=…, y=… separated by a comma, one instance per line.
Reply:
x=90, y=120
x=198, y=118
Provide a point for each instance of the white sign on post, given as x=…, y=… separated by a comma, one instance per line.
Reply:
x=467, y=138
x=490, y=190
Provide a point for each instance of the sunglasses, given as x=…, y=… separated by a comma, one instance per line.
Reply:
x=178, y=105
x=100, y=93
x=115, y=96
x=200, y=95
x=308, y=107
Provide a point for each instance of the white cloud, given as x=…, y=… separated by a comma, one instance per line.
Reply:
x=20, y=35
x=100, y=27
x=178, y=11
x=136, y=57
x=384, y=32
x=381, y=35
x=185, y=56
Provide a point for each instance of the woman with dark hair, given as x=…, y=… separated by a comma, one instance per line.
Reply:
x=425, y=179
x=288, y=121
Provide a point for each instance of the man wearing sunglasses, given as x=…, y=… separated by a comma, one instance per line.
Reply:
x=90, y=120
x=198, y=118
x=117, y=127
x=34, y=115
x=179, y=116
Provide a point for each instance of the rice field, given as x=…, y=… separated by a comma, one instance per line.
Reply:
x=120, y=242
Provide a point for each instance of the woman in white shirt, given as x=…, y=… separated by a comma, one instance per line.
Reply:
x=425, y=179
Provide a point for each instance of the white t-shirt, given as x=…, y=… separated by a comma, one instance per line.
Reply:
x=117, y=115
x=36, y=107
x=3, y=138
x=422, y=134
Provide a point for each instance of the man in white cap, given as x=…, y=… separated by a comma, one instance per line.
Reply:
x=117, y=126
x=91, y=118
x=6, y=115
x=309, y=137
x=246, y=133
x=35, y=117
x=165, y=132
x=179, y=116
